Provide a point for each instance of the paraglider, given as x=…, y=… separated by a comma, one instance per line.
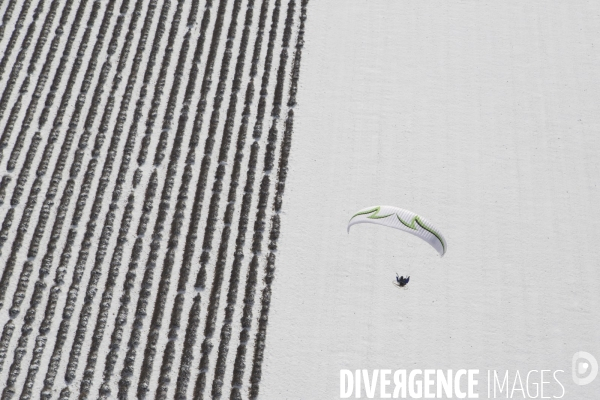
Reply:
x=404, y=220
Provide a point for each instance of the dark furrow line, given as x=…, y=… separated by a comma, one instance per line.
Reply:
x=33, y=247
x=177, y=222
x=168, y=356
x=64, y=394
x=5, y=339
x=32, y=199
x=3, y=185
x=27, y=268
x=225, y=336
x=121, y=317
x=31, y=109
x=103, y=182
x=113, y=274
x=187, y=356
x=169, y=352
x=39, y=87
x=74, y=28
x=191, y=83
x=261, y=335
x=259, y=224
x=18, y=64
x=109, y=219
x=133, y=342
x=188, y=344
x=127, y=370
x=87, y=309
x=1, y=2
x=13, y=39
x=57, y=176
x=7, y=16
x=90, y=171
x=196, y=132
x=259, y=344
x=42, y=167
x=66, y=254
x=62, y=209
x=213, y=208
x=18, y=25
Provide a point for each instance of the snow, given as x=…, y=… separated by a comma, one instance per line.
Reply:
x=482, y=117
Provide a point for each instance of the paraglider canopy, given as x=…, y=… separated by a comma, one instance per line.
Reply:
x=404, y=220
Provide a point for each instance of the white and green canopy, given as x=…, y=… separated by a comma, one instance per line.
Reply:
x=403, y=220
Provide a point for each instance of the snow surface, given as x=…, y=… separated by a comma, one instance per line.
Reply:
x=484, y=118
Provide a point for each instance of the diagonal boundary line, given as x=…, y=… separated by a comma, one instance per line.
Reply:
x=193, y=319
x=214, y=299
x=259, y=224
x=261, y=335
x=234, y=181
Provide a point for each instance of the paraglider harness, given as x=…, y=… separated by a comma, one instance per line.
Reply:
x=402, y=281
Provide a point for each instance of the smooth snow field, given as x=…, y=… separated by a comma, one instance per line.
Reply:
x=484, y=117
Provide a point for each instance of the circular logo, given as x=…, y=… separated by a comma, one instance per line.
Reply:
x=585, y=368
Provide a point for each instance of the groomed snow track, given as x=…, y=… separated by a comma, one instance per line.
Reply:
x=144, y=148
